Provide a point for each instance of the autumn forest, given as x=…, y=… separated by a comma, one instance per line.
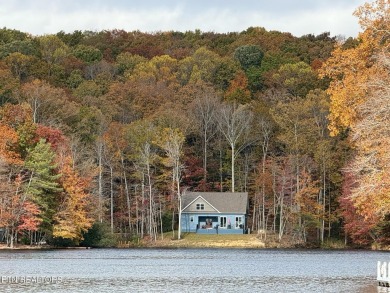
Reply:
x=101, y=132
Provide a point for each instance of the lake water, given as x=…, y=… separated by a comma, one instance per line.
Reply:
x=189, y=270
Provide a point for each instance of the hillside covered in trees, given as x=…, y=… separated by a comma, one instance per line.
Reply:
x=107, y=129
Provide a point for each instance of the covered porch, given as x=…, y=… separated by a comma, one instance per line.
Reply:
x=217, y=225
x=220, y=231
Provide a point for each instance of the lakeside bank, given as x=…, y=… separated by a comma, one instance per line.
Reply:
x=193, y=240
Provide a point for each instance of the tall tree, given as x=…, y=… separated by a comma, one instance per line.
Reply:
x=265, y=125
x=248, y=56
x=72, y=218
x=53, y=50
x=234, y=123
x=359, y=94
x=205, y=110
x=116, y=144
x=42, y=184
x=142, y=135
x=172, y=143
x=48, y=103
x=17, y=212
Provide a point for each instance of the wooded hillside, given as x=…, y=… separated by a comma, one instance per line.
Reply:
x=112, y=126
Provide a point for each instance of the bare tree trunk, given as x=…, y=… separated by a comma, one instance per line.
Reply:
x=232, y=165
x=323, y=203
x=297, y=187
x=177, y=175
x=281, y=213
x=142, y=208
x=205, y=138
x=179, y=228
x=254, y=215
x=274, y=197
x=161, y=223
x=234, y=124
x=329, y=222
x=246, y=172
x=220, y=169
x=173, y=145
x=151, y=216
x=264, y=228
x=173, y=210
x=137, y=216
x=112, y=199
x=127, y=194
x=265, y=131
x=281, y=220
x=154, y=222
x=35, y=109
x=11, y=242
x=206, y=105
x=100, y=179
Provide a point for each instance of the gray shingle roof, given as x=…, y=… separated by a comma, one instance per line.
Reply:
x=224, y=202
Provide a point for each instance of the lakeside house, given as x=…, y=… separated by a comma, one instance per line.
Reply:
x=214, y=212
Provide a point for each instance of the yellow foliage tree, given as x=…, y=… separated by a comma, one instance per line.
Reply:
x=360, y=95
x=72, y=217
x=350, y=69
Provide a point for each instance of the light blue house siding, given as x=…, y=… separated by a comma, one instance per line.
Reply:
x=221, y=223
x=214, y=212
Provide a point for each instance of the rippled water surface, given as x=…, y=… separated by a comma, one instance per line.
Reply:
x=190, y=270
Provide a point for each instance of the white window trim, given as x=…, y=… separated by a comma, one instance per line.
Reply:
x=238, y=222
x=220, y=224
x=200, y=206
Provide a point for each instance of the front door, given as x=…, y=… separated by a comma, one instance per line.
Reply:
x=222, y=222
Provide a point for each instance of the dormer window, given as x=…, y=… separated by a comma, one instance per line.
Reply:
x=200, y=206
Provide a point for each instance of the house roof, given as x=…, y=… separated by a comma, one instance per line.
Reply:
x=223, y=202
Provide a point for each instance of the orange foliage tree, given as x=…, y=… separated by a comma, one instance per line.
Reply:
x=72, y=217
x=359, y=91
x=18, y=212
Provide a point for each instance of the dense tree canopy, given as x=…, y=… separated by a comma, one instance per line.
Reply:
x=112, y=126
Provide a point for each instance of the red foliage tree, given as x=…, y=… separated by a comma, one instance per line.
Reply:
x=356, y=226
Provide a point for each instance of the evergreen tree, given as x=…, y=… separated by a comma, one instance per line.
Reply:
x=43, y=180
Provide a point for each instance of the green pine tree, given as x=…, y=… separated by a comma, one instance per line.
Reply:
x=43, y=184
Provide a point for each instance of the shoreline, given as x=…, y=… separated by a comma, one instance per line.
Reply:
x=41, y=247
x=196, y=241
x=156, y=246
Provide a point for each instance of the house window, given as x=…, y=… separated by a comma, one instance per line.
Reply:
x=192, y=219
x=200, y=206
x=238, y=222
x=222, y=222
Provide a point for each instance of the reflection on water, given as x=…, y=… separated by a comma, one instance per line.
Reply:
x=192, y=270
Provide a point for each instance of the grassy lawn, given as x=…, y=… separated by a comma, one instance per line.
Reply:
x=215, y=237
x=211, y=240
